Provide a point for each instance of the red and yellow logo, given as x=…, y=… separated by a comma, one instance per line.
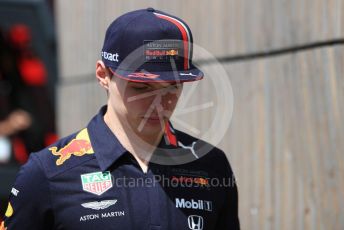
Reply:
x=190, y=180
x=8, y=214
x=79, y=146
x=2, y=226
x=172, y=52
x=9, y=211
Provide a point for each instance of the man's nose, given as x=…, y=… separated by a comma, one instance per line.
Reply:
x=168, y=100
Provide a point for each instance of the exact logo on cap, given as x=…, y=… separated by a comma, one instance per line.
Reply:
x=110, y=56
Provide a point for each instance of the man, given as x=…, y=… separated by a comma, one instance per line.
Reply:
x=129, y=168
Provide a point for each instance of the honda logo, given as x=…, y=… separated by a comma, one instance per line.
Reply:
x=195, y=222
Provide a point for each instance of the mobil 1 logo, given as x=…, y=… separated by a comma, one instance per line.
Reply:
x=194, y=204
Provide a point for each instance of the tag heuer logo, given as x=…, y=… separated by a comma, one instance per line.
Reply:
x=97, y=182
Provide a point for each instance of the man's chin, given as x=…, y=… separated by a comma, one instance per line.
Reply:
x=151, y=126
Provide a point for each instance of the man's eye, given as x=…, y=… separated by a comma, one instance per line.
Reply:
x=140, y=88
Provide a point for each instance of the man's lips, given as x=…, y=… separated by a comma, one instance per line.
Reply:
x=155, y=120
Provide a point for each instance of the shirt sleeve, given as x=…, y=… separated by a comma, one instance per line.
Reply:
x=29, y=204
x=229, y=216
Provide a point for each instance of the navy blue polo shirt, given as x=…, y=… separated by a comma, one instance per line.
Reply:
x=89, y=181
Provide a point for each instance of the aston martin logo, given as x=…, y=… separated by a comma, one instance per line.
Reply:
x=99, y=205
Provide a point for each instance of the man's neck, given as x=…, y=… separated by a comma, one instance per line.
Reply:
x=140, y=146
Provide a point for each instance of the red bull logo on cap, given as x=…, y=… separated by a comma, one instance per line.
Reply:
x=79, y=146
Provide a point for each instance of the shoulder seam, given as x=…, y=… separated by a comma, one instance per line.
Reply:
x=48, y=181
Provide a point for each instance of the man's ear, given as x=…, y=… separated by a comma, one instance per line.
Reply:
x=102, y=74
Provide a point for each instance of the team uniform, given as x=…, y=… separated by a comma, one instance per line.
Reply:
x=88, y=181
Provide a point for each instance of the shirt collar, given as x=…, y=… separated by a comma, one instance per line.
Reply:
x=107, y=147
x=105, y=144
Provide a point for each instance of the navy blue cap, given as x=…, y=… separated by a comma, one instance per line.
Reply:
x=150, y=46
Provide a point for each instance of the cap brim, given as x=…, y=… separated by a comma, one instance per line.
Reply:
x=193, y=74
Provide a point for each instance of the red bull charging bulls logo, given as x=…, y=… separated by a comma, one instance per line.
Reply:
x=79, y=146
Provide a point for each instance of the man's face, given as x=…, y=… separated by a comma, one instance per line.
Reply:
x=145, y=106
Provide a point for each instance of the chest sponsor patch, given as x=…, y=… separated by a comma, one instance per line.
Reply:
x=195, y=222
x=97, y=182
x=194, y=204
x=99, y=205
x=97, y=216
x=189, y=181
